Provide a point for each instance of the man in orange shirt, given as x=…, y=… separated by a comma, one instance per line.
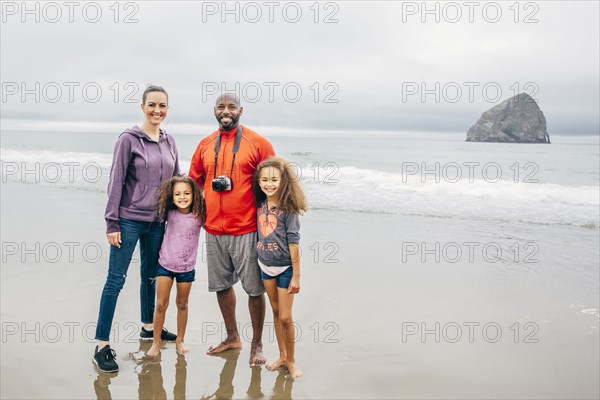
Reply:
x=223, y=165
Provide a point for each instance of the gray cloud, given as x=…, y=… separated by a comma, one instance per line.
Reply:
x=359, y=73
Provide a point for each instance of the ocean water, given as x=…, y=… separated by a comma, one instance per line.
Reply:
x=429, y=175
x=431, y=268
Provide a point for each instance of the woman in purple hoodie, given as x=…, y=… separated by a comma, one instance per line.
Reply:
x=143, y=158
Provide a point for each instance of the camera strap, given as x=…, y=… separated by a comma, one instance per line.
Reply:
x=236, y=146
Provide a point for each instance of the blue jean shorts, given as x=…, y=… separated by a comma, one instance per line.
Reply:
x=180, y=277
x=283, y=279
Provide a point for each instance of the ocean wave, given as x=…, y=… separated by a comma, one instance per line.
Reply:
x=49, y=156
x=389, y=183
x=347, y=188
x=379, y=192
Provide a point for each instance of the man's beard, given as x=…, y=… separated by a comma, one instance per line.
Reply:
x=230, y=125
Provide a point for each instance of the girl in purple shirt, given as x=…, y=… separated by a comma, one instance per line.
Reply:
x=182, y=206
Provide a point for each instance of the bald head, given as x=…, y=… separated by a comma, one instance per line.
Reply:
x=230, y=97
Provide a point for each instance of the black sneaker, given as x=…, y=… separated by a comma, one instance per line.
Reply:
x=105, y=359
x=165, y=335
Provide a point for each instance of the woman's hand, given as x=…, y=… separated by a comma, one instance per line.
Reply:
x=294, y=285
x=114, y=238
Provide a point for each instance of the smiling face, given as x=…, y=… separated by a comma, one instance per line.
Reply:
x=155, y=108
x=228, y=112
x=183, y=197
x=269, y=181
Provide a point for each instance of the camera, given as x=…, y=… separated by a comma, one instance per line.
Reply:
x=221, y=183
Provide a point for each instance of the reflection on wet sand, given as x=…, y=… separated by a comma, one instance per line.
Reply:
x=149, y=371
x=283, y=385
x=225, y=389
x=281, y=390
x=254, y=390
x=150, y=376
x=150, y=379
x=101, y=385
x=180, y=378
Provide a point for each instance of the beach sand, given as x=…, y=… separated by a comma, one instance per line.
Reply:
x=370, y=324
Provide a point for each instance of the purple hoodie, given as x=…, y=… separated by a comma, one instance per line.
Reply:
x=139, y=167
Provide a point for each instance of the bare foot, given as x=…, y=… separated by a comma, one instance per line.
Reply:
x=154, y=350
x=181, y=349
x=294, y=371
x=223, y=346
x=256, y=356
x=277, y=364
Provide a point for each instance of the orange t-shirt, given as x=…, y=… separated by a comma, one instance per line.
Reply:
x=230, y=212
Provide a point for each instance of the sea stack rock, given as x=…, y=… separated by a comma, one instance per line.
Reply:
x=515, y=120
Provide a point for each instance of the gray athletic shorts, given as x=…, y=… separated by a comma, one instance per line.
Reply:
x=232, y=258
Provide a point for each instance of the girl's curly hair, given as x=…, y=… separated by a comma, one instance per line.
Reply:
x=165, y=198
x=291, y=197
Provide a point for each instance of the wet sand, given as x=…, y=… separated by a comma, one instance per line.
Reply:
x=366, y=317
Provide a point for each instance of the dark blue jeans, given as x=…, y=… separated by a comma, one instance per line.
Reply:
x=150, y=236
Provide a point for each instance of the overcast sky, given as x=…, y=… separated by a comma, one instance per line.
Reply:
x=343, y=65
